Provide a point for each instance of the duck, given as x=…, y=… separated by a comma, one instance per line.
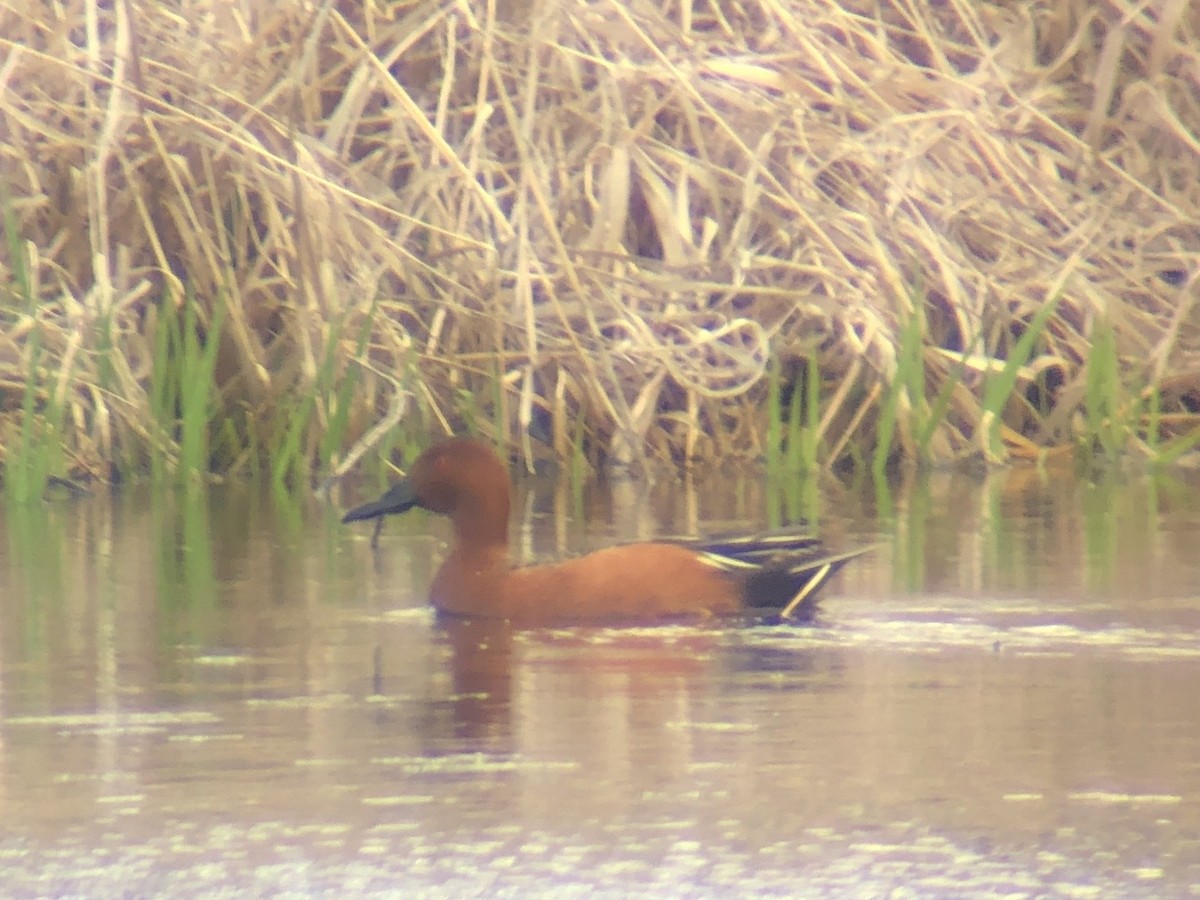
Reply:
x=776, y=575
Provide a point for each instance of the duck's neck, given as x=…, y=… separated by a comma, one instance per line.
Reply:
x=483, y=524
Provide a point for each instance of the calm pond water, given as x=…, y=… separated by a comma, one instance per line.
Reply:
x=218, y=694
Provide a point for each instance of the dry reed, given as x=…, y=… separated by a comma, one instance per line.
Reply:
x=622, y=211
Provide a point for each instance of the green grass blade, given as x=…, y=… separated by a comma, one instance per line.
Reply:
x=999, y=389
x=774, y=440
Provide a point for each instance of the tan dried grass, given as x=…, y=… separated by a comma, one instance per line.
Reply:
x=630, y=206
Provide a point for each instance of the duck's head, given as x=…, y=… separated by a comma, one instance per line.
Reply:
x=461, y=478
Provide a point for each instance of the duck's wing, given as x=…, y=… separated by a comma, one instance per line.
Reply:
x=781, y=572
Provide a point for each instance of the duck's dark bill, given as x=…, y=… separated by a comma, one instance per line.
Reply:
x=399, y=499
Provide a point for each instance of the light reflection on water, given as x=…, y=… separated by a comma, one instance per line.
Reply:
x=219, y=694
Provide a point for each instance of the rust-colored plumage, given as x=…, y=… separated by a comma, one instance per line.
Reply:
x=462, y=478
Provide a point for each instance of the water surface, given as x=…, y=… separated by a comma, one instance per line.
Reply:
x=219, y=693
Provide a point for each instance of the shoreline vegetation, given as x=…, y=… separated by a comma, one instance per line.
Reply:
x=279, y=239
